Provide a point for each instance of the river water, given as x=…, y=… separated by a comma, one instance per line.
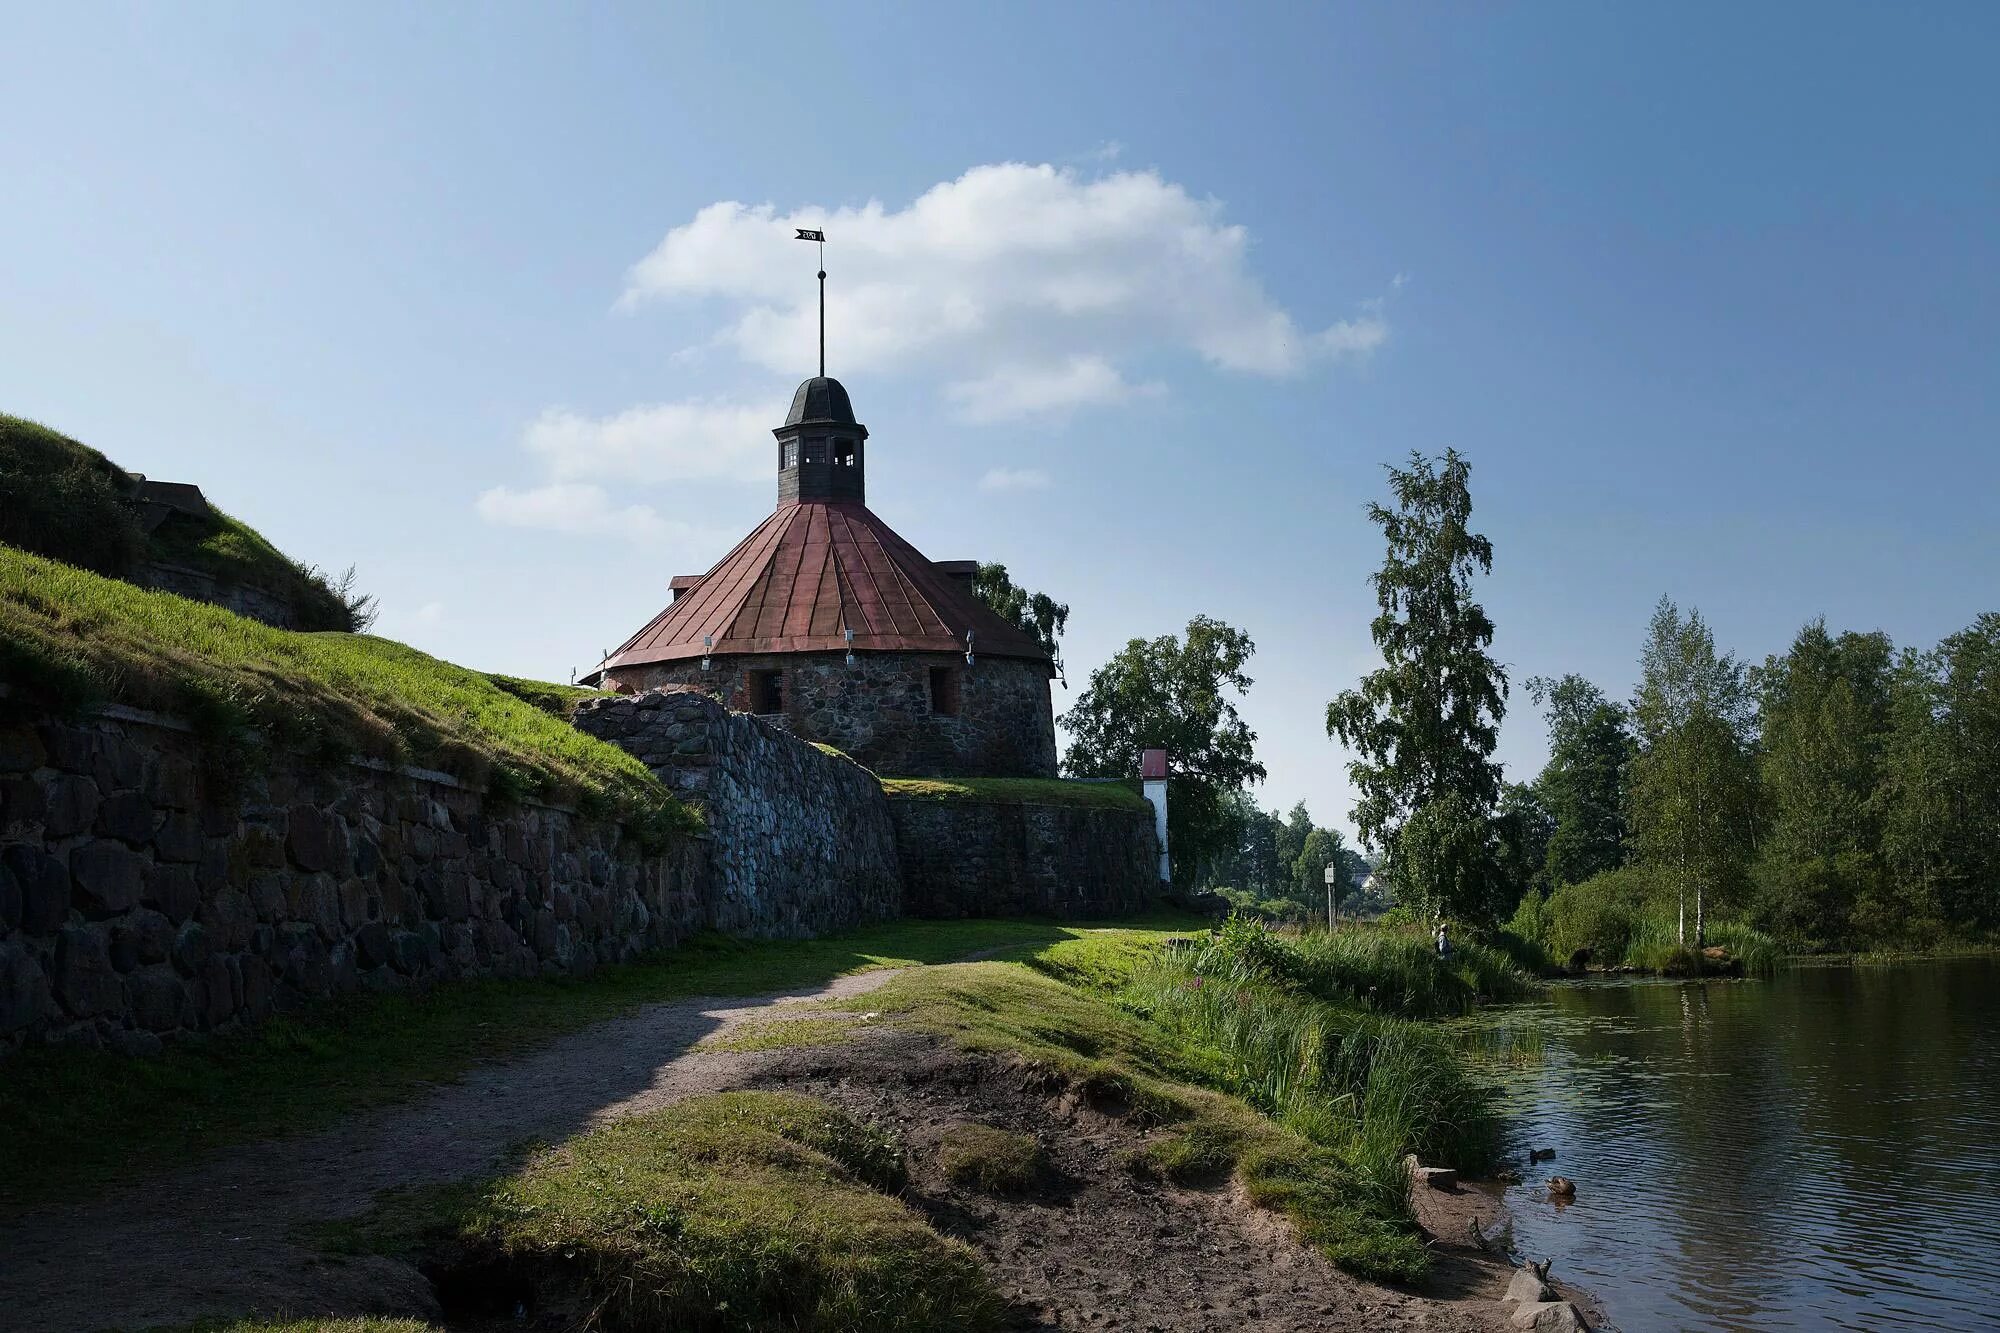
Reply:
x=1816, y=1150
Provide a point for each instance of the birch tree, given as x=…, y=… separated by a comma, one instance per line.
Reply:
x=1693, y=781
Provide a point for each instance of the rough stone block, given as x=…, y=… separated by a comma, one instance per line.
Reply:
x=106, y=878
x=116, y=763
x=140, y=938
x=43, y=882
x=1527, y=1288
x=192, y=948
x=24, y=990
x=218, y=993
x=371, y=944
x=406, y=951
x=69, y=805
x=84, y=981
x=256, y=989
x=156, y=998
x=127, y=816
x=308, y=838
x=20, y=749
x=20, y=801
x=173, y=784
x=174, y=890
x=67, y=748
x=1550, y=1317
x=179, y=839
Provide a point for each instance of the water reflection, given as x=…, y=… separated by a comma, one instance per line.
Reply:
x=1820, y=1150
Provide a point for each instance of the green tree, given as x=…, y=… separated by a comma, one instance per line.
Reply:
x=1291, y=834
x=1823, y=720
x=1940, y=794
x=1262, y=869
x=1323, y=847
x=1693, y=785
x=1524, y=829
x=1425, y=723
x=1035, y=613
x=1583, y=785
x=1176, y=694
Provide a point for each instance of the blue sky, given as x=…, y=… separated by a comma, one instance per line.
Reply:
x=1137, y=299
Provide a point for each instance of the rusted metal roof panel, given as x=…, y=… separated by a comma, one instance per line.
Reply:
x=808, y=574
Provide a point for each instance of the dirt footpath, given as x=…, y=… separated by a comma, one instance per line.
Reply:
x=219, y=1237
x=1094, y=1247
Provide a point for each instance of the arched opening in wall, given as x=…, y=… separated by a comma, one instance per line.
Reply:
x=767, y=692
x=944, y=691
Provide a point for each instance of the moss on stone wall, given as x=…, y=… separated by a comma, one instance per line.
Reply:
x=1018, y=791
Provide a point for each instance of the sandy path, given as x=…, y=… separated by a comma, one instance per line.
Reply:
x=217, y=1237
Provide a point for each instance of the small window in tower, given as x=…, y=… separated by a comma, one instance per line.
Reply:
x=767, y=692
x=788, y=455
x=944, y=691
x=815, y=451
x=843, y=453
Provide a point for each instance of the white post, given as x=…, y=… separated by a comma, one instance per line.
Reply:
x=1332, y=877
x=1153, y=772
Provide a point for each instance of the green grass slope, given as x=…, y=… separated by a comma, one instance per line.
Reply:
x=69, y=638
x=63, y=499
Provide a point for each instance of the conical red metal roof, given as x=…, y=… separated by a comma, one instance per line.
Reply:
x=809, y=573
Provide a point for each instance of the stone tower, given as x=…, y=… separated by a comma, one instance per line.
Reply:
x=824, y=621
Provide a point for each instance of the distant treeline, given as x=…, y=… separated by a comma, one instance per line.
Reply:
x=1842, y=795
x=1274, y=865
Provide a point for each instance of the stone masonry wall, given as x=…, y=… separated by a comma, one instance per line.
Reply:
x=242, y=598
x=802, y=842
x=145, y=894
x=879, y=710
x=973, y=858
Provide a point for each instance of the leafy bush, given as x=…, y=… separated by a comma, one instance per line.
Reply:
x=1596, y=918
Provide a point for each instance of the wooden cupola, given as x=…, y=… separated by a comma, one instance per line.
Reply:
x=820, y=447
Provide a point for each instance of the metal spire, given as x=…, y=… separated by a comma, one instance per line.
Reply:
x=809, y=234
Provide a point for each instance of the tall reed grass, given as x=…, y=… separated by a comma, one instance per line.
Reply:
x=1306, y=1029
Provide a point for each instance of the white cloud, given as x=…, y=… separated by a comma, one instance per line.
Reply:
x=1356, y=337
x=1018, y=391
x=1016, y=290
x=660, y=442
x=430, y=613
x=1050, y=280
x=578, y=509
x=1014, y=479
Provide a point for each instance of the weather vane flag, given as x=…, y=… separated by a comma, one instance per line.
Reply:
x=819, y=237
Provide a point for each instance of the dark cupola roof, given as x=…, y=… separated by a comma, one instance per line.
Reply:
x=820, y=399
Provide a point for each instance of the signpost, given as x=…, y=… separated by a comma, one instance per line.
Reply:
x=1332, y=878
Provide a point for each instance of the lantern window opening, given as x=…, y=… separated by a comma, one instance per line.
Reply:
x=767, y=691
x=815, y=451
x=944, y=691
x=788, y=455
